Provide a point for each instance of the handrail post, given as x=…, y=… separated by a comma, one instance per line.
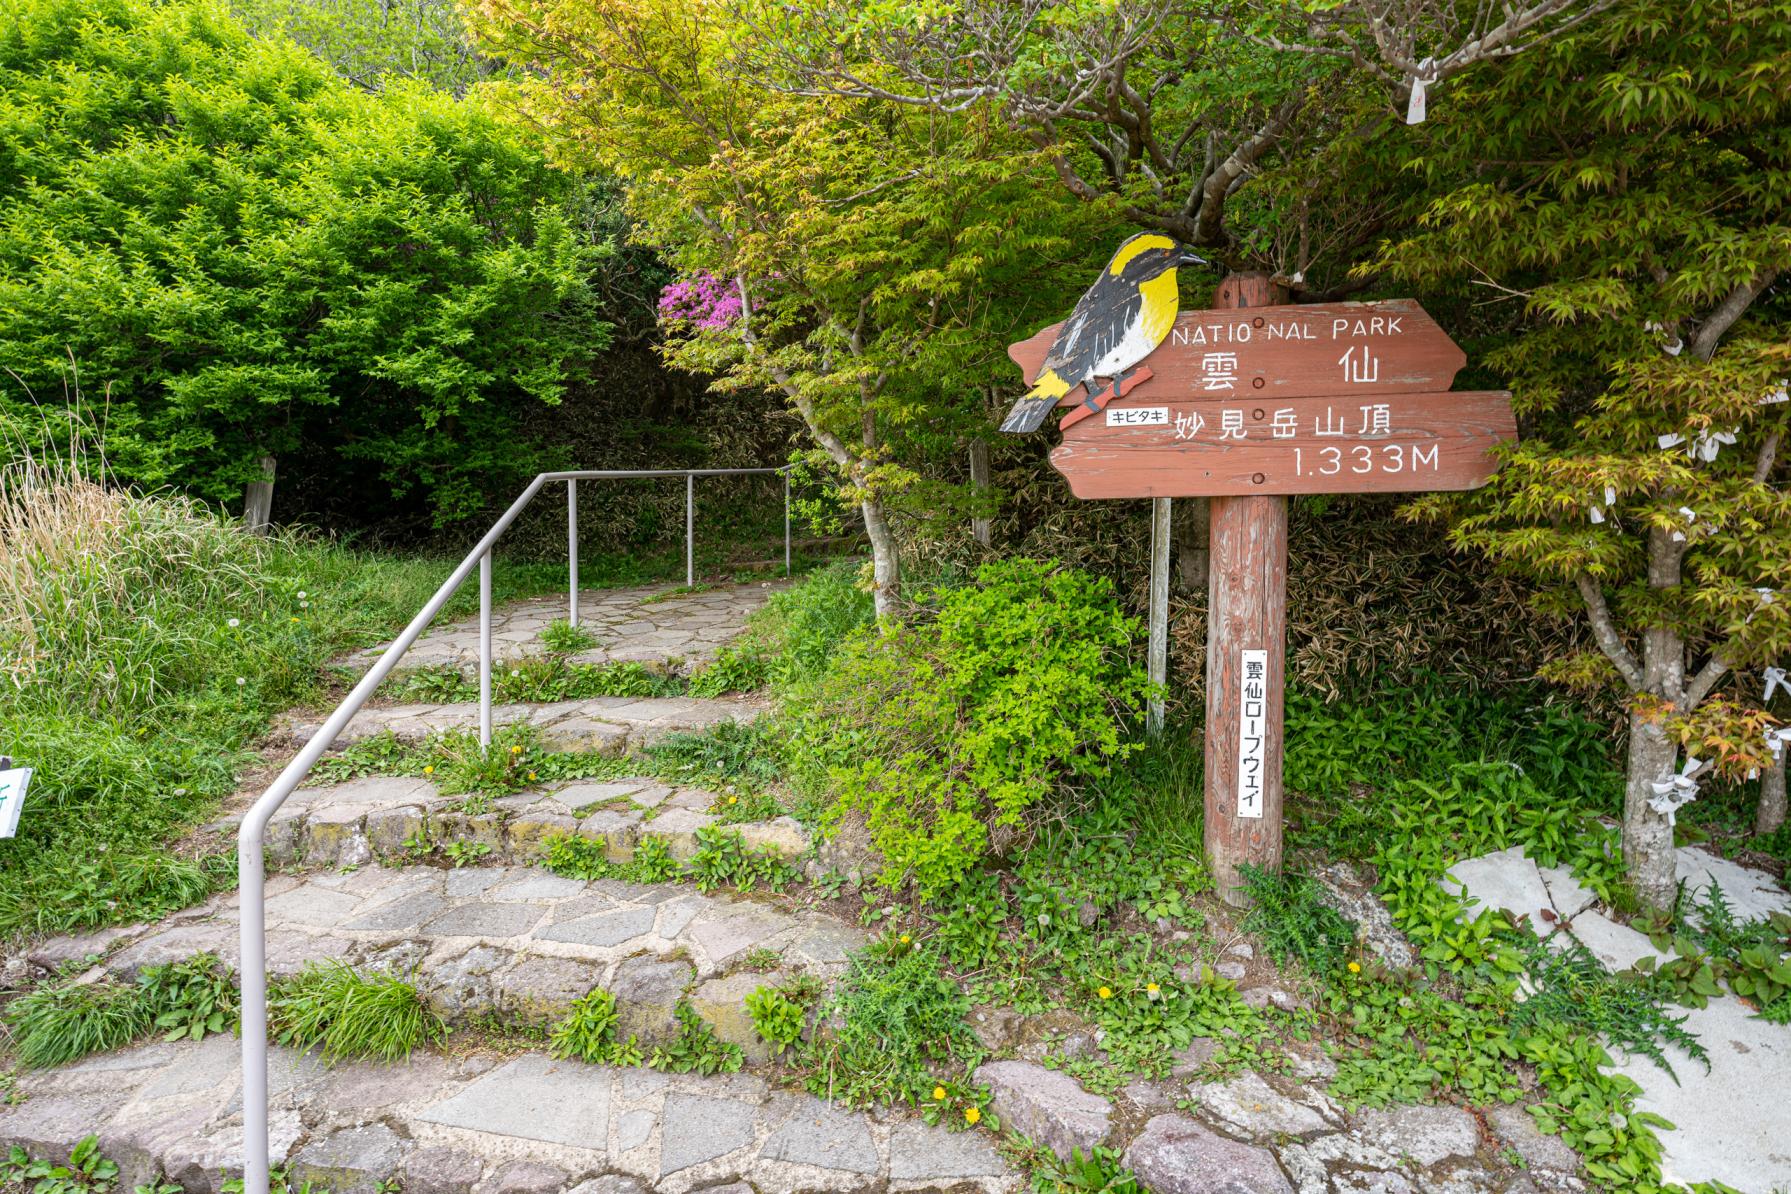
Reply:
x=485, y=649
x=572, y=550
x=251, y=882
x=690, y=530
x=786, y=522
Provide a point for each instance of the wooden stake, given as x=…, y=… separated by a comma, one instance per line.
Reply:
x=1246, y=626
x=258, y=499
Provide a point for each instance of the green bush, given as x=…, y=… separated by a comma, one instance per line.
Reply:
x=967, y=719
x=259, y=258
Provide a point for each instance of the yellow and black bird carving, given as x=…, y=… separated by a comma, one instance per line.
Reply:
x=1117, y=322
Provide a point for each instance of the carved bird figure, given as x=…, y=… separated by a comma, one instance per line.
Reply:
x=1117, y=322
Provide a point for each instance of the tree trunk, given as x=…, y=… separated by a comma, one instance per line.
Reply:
x=981, y=528
x=886, y=564
x=258, y=499
x=1193, y=553
x=1771, y=812
x=1647, y=835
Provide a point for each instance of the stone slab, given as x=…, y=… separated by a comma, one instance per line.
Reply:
x=1730, y=1121
x=697, y=1128
x=533, y=1098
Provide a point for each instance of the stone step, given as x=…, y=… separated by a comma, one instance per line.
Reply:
x=483, y=1124
x=641, y=624
x=514, y=941
x=380, y=819
x=604, y=725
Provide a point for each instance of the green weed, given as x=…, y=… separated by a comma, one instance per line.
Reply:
x=563, y=638
x=722, y=857
x=350, y=1015
x=56, y=1025
x=776, y=1017
x=1098, y=1171
x=892, y=1029
x=588, y=1033
x=190, y=999
x=696, y=1049
x=1289, y=913
x=85, y=1171
x=748, y=755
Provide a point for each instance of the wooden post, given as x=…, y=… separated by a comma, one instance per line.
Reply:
x=1246, y=629
x=258, y=499
x=982, y=529
x=1157, y=664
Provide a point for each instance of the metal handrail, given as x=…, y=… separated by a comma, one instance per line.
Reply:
x=251, y=871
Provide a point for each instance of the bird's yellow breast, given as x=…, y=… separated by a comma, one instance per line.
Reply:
x=1162, y=300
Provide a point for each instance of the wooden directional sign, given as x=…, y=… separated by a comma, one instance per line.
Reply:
x=1336, y=398
x=1246, y=405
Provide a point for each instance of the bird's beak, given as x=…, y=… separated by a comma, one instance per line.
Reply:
x=1190, y=257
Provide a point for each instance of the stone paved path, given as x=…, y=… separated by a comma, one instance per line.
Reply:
x=484, y=1125
x=1730, y=1121
x=629, y=624
x=515, y=940
x=378, y=819
x=606, y=725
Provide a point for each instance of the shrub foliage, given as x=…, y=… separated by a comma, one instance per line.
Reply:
x=958, y=725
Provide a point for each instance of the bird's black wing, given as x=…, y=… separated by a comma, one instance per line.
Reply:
x=1099, y=322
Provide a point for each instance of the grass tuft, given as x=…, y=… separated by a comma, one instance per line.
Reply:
x=56, y=1025
x=351, y=1015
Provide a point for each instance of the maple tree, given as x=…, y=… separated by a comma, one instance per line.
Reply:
x=881, y=257
x=1625, y=192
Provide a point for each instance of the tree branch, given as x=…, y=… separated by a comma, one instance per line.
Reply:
x=1768, y=456
x=1719, y=321
x=1714, y=669
x=1604, y=629
x=1223, y=179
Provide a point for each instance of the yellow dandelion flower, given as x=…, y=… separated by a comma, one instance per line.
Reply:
x=531, y=775
x=1355, y=967
x=733, y=800
x=971, y=1115
x=1151, y=987
x=1105, y=992
x=906, y=939
x=939, y=1094
x=429, y=770
x=516, y=750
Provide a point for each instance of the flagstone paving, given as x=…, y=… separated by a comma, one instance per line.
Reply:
x=606, y=725
x=396, y=819
x=1729, y=1119
x=457, y=1124
x=645, y=624
x=516, y=940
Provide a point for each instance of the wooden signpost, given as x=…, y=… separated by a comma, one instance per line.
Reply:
x=1247, y=404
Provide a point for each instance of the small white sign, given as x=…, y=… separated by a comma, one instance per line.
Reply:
x=12, y=798
x=1138, y=416
x=1253, y=723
